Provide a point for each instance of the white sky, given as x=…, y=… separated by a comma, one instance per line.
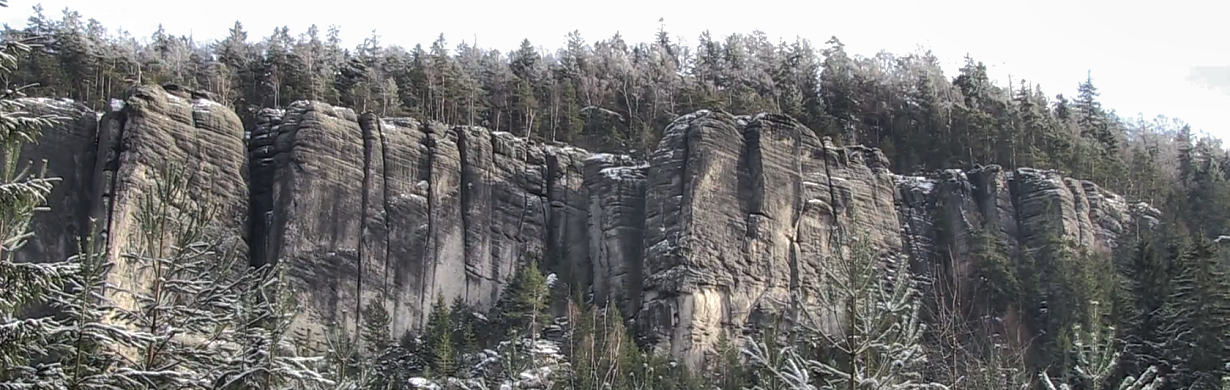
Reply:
x=1141, y=55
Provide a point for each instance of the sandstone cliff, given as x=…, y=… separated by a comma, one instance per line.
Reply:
x=731, y=215
x=399, y=211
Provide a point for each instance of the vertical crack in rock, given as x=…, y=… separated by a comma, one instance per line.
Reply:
x=374, y=230
x=386, y=209
x=828, y=175
x=449, y=182
x=364, y=217
x=477, y=149
x=110, y=132
x=262, y=157
x=552, y=237
x=799, y=207
x=426, y=270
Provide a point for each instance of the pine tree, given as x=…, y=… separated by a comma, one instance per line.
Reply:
x=194, y=279
x=23, y=192
x=876, y=340
x=1198, y=347
x=441, y=355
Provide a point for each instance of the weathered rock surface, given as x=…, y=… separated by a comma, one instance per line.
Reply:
x=729, y=219
x=139, y=137
x=616, y=229
x=397, y=211
x=67, y=152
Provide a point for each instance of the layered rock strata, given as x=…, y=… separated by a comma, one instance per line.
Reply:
x=392, y=210
x=730, y=218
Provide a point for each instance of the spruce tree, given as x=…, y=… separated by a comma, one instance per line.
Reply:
x=90, y=347
x=194, y=284
x=525, y=301
x=1198, y=347
x=438, y=339
x=268, y=358
x=866, y=327
x=464, y=335
x=24, y=188
x=375, y=331
x=1148, y=287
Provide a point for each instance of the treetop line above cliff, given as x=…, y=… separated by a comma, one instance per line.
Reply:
x=613, y=95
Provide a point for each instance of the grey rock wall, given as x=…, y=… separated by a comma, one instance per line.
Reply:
x=730, y=217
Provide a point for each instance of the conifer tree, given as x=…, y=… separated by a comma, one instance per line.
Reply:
x=461, y=317
x=526, y=301
x=441, y=355
x=866, y=327
x=1198, y=347
x=195, y=281
x=268, y=358
x=1148, y=286
x=23, y=191
x=375, y=333
x=88, y=344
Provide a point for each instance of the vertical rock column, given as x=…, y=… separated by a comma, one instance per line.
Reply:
x=405, y=274
x=155, y=127
x=567, y=227
x=318, y=190
x=695, y=225
x=616, y=229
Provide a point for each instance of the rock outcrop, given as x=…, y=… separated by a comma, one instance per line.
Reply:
x=392, y=210
x=731, y=216
x=107, y=161
x=67, y=152
x=141, y=136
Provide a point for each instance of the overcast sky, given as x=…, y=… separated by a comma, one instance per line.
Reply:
x=1168, y=57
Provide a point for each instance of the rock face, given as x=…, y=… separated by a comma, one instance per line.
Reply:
x=140, y=136
x=69, y=153
x=740, y=211
x=106, y=161
x=397, y=211
x=731, y=216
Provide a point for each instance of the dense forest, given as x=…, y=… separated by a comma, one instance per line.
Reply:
x=1154, y=316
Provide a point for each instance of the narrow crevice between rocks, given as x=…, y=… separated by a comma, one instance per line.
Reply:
x=525, y=204
x=364, y=198
x=262, y=164
x=110, y=147
x=427, y=273
x=386, y=206
x=799, y=206
x=751, y=183
x=828, y=175
x=553, y=248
